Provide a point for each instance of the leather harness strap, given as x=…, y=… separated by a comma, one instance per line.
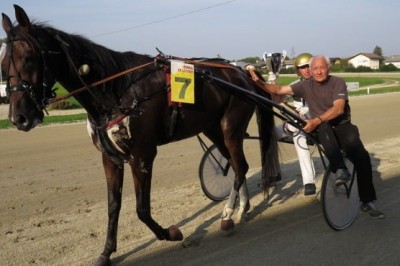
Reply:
x=56, y=99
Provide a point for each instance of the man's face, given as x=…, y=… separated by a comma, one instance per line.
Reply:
x=304, y=72
x=319, y=70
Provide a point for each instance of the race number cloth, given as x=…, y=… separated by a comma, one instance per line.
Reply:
x=182, y=82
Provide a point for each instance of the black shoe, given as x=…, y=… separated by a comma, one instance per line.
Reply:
x=373, y=212
x=309, y=189
x=342, y=177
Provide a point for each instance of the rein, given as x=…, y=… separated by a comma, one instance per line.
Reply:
x=84, y=88
x=134, y=105
x=158, y=58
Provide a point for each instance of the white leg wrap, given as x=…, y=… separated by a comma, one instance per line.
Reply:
x=227, y=213
x=243, y=202
x=229, y=206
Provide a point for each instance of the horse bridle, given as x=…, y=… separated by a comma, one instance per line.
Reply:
x=26, y=86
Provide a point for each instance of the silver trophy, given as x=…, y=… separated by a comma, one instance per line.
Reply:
x=274, y=63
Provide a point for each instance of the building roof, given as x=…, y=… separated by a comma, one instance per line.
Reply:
x=392, y=58
x=288, y=62
x=240, y=64
x=369, y=55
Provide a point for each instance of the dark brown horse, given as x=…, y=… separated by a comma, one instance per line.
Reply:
x=129, y=115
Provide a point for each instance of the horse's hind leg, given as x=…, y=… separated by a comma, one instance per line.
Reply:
x=227, y=223
x=217, y=137
x=114, y=172
x=244, y=202
x=234, y=143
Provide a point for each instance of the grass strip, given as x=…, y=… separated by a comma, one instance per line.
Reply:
x=56, y=119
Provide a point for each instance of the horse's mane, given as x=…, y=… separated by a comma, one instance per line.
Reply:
x=88, y=51
x=104, y=62
x=107, y=60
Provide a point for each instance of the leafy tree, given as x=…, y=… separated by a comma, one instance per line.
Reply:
x=341, y=67
x=290, y=70
x=378, y=50
x=389, y=68
x=251, y=60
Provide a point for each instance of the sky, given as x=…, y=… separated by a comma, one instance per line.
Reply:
x=231, y=29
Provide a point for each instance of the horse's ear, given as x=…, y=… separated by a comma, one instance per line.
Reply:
x=22, y=18
x=7, y=25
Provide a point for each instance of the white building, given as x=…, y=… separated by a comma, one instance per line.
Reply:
x=393, y=59
x=365, y=59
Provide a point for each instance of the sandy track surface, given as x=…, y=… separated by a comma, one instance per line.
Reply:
x=53, y=204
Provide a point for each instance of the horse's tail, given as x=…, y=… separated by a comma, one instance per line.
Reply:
x=268, y=145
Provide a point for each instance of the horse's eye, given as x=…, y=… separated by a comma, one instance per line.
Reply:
x=28, y=62
x=27, y=59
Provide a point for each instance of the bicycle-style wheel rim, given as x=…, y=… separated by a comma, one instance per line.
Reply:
x=215, y=184
x=340, y=210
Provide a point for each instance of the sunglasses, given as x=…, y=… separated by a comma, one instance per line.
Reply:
x=303, y=67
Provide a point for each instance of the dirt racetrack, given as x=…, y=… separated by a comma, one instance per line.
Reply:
x=53, y=204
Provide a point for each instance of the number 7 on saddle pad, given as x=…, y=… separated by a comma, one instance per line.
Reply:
x=182, y=82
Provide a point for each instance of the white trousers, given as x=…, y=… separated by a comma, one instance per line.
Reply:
x=302, y=150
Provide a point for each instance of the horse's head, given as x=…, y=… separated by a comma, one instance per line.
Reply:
x=29, y=80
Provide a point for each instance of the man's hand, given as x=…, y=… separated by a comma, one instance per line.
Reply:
x=253, y=75
x=312, y=124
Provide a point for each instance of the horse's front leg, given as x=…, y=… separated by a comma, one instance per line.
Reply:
x=142, y=173
x=114, y=171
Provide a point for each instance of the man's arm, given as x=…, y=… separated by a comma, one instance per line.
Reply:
x=336, y=110
x=270, y=88
x=333, y=112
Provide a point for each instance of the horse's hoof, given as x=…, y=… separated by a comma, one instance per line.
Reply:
x=227, y=225
x=103, y=261
x=174, y=233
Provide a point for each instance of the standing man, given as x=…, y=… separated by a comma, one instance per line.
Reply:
x=328, y=101
x=301, y=64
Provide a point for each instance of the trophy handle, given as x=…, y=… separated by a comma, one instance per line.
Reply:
x=268, y=61
x=284, y=53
